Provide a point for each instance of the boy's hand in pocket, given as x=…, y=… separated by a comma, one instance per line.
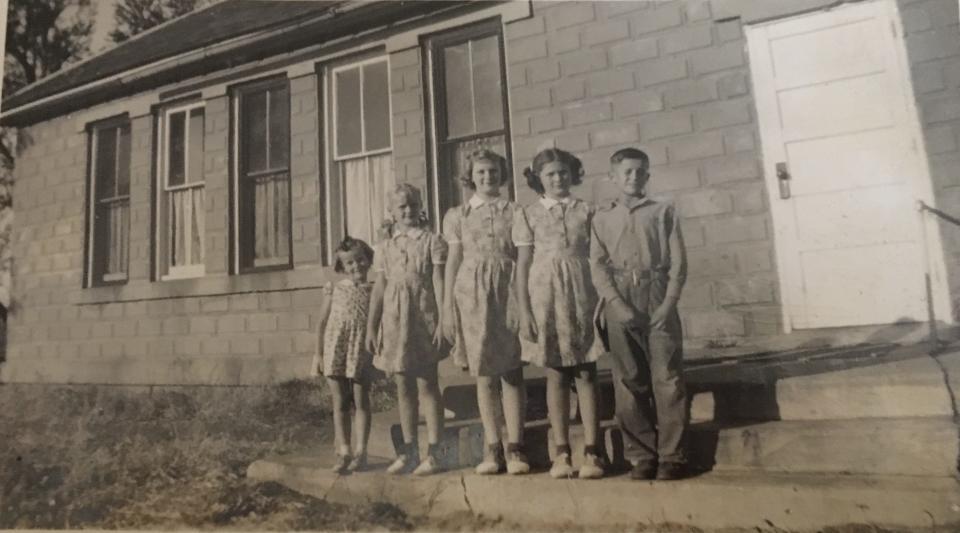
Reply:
x=658, y=320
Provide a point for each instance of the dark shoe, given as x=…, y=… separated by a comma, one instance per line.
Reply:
x=359, y=462
x=342, y=465
x=644, y=471
x=671, y=471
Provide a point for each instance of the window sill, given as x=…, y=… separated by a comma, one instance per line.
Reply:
x=184, y=272
x=309, y=277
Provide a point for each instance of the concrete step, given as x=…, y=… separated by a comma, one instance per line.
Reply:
x=869, y=381
x=714, y=501
x=892, y=446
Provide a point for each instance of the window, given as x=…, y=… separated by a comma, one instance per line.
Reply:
x=469, y=89
x=361, y=143
x=262, y=199
x=109, y=202
x=180, y=204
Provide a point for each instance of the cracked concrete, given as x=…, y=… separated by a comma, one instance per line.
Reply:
x=715, y=500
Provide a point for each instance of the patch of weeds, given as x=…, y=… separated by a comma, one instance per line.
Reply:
x=114, y=457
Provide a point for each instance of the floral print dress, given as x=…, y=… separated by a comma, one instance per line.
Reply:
x=484, y=305
x=341, y=352
x=562, y=296
x=410, y=314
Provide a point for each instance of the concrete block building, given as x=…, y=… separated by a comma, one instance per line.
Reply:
x=179, y=196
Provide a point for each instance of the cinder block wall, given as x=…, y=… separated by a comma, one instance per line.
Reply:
x=592, y=77
x=219, y=329
x=588, y=77
x=933, y=47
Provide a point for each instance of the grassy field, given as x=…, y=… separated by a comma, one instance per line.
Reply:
x=117, y=457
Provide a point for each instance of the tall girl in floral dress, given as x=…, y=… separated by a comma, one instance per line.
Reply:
x=403, y=330
x=479, y=311
x=341, y=355
x=558, y=301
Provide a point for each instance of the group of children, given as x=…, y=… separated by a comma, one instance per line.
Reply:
x=555, y=284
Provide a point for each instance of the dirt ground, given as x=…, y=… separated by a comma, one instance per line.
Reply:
x=175, y=458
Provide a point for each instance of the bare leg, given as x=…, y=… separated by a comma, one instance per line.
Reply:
x=429, y=386
x=361, y=402
x=488, y=395
x=587, y=395
x=340, y=391
x=409, y=406
x=514, y=404
x=558, y=404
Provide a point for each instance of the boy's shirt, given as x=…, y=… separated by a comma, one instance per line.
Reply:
x=631, y=237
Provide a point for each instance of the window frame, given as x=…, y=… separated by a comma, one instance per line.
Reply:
x=165, y=271
x=350, y=65
x=238, y=173
x=93, y=277
x=333, y=218
x=434, y=83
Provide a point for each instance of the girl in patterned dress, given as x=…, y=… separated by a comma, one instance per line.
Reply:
x=558, y=301
x=479, y=314
x=403, y=328
x=341, y=355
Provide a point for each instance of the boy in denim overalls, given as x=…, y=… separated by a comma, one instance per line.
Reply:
x=638, y=265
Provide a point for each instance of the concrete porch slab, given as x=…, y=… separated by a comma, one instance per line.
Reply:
x=712, y=501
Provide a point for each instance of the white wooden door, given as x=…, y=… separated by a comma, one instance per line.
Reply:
x=834, y=107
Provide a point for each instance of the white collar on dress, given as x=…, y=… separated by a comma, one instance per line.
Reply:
x=412, y=233
x=476, y=201
x=548, y=202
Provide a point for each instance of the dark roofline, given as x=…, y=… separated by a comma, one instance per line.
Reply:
x=27, y=107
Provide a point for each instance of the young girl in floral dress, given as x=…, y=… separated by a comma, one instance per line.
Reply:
x=341, y=355
x=558, y=301
x=479, y=317
x=403, y=328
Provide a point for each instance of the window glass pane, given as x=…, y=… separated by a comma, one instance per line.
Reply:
x=347, y=94
x=123, y=162
x=487, y=84
x=195, y=152
x=376, y=106
x=279, y=128
x=459, y=97
x=106, y=162
x=175, y=164
x=253, y=122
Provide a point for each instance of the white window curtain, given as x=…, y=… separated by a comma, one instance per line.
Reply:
x=186, y=226
x=366, y=181
x=272, y=212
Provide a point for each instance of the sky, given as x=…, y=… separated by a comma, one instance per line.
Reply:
x=102, y=25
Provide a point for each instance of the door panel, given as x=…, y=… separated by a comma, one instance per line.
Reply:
x=832, y=107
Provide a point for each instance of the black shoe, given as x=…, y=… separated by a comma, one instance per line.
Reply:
x=671, y=471
x=643, y=471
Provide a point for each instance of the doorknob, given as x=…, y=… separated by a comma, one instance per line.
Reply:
x=783, y=180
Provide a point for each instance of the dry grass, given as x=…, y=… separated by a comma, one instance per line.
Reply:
x=114, y=457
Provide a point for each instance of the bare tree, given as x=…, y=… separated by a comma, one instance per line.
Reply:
x=135, y=16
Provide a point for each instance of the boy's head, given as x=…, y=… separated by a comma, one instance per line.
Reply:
x=629, y=169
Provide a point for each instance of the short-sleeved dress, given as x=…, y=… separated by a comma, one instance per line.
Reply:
x=562, y=296
x=410, y=314
x=342, y=340
x=485, y=307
